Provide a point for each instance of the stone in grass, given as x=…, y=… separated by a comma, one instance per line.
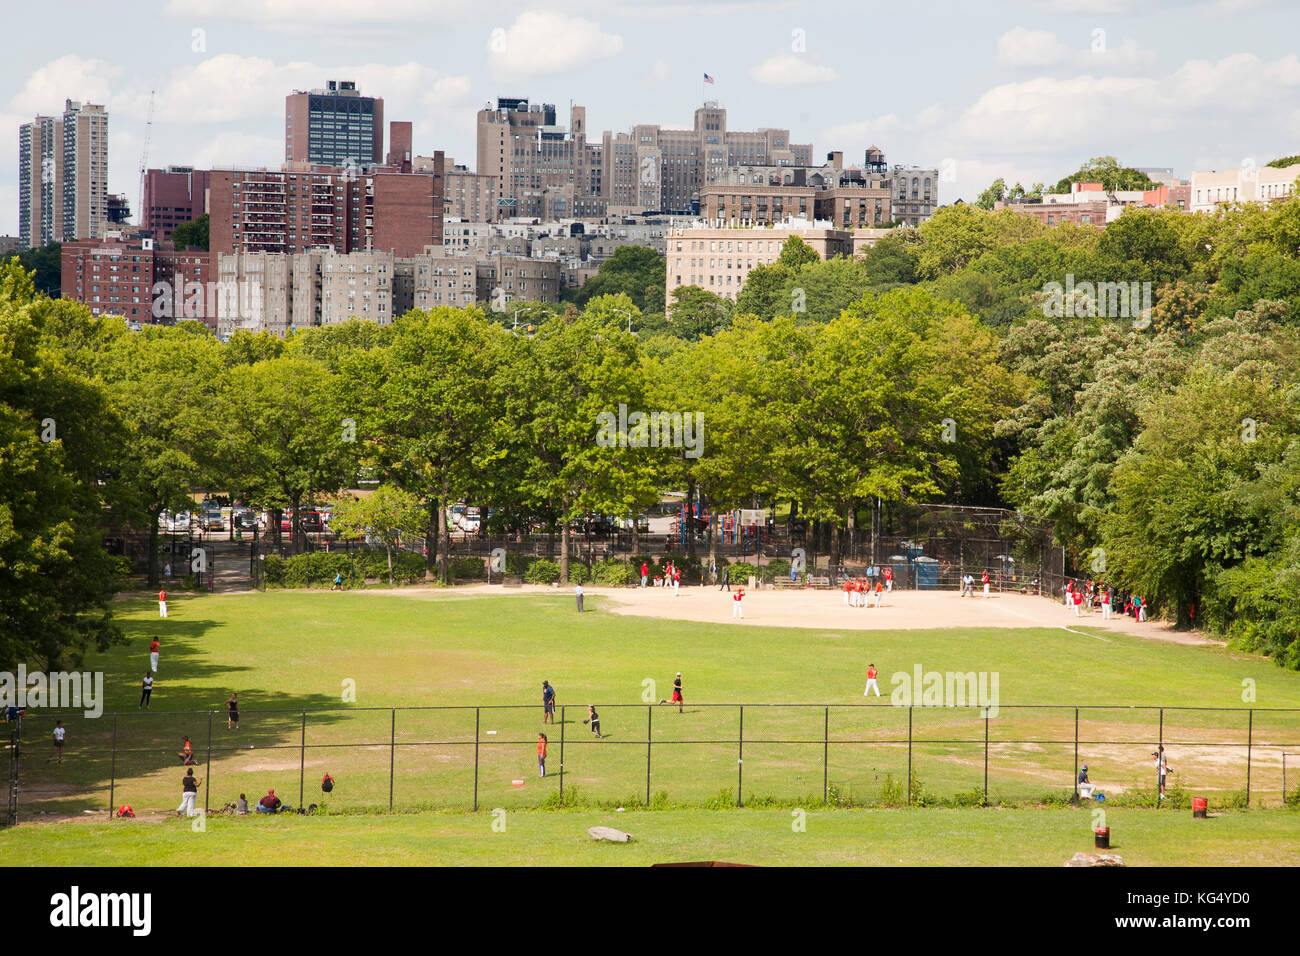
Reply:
x=1095, y=859
x=610, y=834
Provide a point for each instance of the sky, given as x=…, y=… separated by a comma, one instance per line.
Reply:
x=1025, y=90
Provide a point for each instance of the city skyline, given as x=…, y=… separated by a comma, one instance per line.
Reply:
x=1023, y=89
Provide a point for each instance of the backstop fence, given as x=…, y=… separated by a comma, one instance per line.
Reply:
x=468, y=758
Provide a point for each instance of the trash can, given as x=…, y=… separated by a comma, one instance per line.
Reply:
x=1101, y=838
x=1200, y=808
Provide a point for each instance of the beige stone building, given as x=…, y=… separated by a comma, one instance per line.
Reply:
x=719, y=259
x=1209, y=190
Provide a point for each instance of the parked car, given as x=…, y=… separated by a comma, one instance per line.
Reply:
x=180, y=521
x=311, y=522
x=244, y=519
x=213, y=520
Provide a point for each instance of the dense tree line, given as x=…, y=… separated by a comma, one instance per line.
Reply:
x=1163, y=441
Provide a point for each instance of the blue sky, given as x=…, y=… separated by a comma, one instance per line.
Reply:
x=1024, y=89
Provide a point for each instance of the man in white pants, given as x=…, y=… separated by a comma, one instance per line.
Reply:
x=162, y=603
x=871, y=681
x=1105, y=605
x=189, y=790
x=986, y=585
x=736, y=598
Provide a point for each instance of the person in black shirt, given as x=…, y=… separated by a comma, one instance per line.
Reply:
x=189, y=791
x=593, y=718
x=232, y=712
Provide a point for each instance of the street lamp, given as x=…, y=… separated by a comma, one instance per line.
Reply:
x=629, y=320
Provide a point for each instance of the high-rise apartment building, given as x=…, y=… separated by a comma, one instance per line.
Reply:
x=334, y=126
x=305, y=208
x=63, y=176
x=172, y=196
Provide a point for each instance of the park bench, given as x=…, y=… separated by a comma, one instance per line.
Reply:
x=785, y=584
x=820, y=582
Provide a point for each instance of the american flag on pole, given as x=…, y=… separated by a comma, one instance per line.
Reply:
x=707, y=78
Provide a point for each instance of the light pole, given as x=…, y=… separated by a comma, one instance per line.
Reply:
x=629, y=320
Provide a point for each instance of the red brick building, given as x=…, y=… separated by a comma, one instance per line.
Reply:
x=325, y=207
x=141, y=280
x=172, y=196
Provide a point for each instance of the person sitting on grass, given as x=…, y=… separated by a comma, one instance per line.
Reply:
x=186, y=753
x=1084, y=785
x=241, y=808
x=269, y=803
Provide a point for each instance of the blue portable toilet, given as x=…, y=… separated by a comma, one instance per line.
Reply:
x=927, y=573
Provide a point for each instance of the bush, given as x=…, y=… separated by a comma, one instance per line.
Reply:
x=741, y=571
x=615, y=574
x=466, y=569
x=893, y=793
x=579, y=573
x=969, y=798
x=542, y=571
x=723, y=801
x=777, y=570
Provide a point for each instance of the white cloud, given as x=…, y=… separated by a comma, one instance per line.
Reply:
x=1021, y=47
x=316, y=17
x=791, y=69
x=542, y=43
x=660, y=72
x=68, y=77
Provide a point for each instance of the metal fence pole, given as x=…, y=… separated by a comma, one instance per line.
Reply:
x=1160, y=755
x=302, y=759
x=826, y=753
x=562, y=720
x=909, y=754
x=207, y=777
x=986, y=756
x=112, y=774
x=476, y=737
x=1074, y=781
x=649, y=720
x=1250, y=736
x=392, y=760
x=740, y=761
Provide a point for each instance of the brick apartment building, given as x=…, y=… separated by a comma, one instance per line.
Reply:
x=305, y=207
x=763, y=195
x=333, y=126
x=141, y=280
x=172, y=196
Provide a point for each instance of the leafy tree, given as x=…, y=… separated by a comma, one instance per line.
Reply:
x=192, y=234
x=994, y=194
x=889, y=263
x=47, y=264
x=695, y=312
x=388, y=513
x=1107, y=171
x=796, y=253
x=57, y=430
x=637, y=272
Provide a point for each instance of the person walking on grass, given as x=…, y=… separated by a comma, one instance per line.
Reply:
x=871, y=681
x=162, y=603
x=232, y=712
x=593, y=719
x=541, y=755
x=146, y=690
x=736, y=598
x=60, y=732
x=153, y=654
x=548, y=703
x=189, y=792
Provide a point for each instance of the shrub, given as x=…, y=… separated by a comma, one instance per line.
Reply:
x=741, y=571
x=579, y=573
x=723, y=801
x=969, y=798
x=466, y=569
x=615, y=574
x=542, y=571
x=893, y=792
x=777, y=570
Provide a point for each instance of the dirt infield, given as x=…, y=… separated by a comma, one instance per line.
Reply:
x=823, y=609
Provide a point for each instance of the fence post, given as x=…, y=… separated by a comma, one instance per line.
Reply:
x=476, y=734
x=1161, y=753
x=909, y=754
x=1250, y=736
x=826, y=753
x=562, y=709
x=1074, y=781
x=302, y=759
x=740, y=761
x=392, y=760
x=986, y=756
x=207, y=777
x=112, y=774
x=649, y=719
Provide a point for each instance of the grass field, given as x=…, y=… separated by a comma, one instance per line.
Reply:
x=286, y=652
x=930, y=837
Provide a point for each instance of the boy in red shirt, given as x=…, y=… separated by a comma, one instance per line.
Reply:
x=871, y=681
x=737, y=596
x=162, y=603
